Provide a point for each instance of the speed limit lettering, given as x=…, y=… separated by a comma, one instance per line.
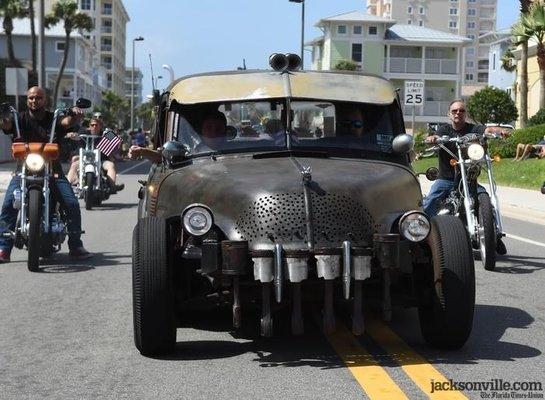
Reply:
x=414, y=93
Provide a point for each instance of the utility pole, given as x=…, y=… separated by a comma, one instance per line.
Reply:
x=41, y=45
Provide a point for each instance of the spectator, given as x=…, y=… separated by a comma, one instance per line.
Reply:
x=525, y=151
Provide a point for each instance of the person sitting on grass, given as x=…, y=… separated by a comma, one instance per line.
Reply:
x=525, y=151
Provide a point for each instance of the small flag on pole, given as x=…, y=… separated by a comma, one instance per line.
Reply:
x=108, y=143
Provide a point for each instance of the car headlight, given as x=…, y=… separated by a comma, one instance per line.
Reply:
x=197, y=220
x=475, y=151
x=34, y=162
x=414, y=226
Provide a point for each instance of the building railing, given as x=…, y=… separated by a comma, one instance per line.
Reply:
x=106, y=47
x=430, y=108
x=107, y=11
x=414, y=66
x=106, y=29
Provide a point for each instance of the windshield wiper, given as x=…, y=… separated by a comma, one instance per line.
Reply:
x=290, y=153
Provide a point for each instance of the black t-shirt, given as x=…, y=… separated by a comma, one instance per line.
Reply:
x=33, y=130
x=446, y=171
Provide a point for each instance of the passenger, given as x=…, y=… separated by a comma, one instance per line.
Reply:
x=350, y=122
x=95, y=128
x=35, y=125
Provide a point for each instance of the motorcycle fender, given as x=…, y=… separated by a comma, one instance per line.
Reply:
x=89, y=168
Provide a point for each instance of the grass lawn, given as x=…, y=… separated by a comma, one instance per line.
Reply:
x=527, y=174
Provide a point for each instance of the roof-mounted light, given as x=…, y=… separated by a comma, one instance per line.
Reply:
x=285, y=62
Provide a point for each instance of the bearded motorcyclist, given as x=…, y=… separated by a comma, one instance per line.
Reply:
x=35, y=126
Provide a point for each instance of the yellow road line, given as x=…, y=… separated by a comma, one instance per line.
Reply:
x=413, y=364
x=374, y=379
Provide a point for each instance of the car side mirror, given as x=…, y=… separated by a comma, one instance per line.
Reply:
x=174, y=152
x=230, y=132
x=432, y=173
x=83, y=103
x=402, y=144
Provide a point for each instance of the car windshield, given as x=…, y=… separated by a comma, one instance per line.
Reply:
x=261, y=126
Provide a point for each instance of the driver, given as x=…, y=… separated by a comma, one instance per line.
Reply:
x=350, y=122
x=95, y=128
x=35, y=125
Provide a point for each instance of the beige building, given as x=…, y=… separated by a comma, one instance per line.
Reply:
x=468, y=18
x=110, y=20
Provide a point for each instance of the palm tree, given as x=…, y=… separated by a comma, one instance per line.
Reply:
x=534, y=25
x=10, y=10
x=507, y=63
x=32, y=34
x=67, y=11
x=524, y=8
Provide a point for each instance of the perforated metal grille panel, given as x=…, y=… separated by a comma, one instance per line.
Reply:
x=281, y=218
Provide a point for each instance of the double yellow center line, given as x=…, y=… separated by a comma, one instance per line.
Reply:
x=373, y=378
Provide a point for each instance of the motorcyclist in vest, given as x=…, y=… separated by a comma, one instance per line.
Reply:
x=95, y=128
x=35, y=126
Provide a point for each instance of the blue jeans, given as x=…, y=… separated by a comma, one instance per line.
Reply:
x=439, y=191
x=8, y=217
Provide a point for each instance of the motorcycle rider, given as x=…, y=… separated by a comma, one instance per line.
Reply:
x=441, y=187
x=95, y=128
x=35, y=125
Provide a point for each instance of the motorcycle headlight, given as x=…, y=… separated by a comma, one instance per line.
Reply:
x=414, y=226
x=197, y=220
x=34, y=162
x=475, y=151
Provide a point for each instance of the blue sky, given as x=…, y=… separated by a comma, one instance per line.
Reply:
x=211, y=35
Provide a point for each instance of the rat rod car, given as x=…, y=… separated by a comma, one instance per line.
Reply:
x=319, y=203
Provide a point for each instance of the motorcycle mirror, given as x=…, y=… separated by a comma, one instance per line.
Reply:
x=432, y=173
x=230, y=132
x=83, y=103
x=5, y=108
x=174, y=151
x=402, y=144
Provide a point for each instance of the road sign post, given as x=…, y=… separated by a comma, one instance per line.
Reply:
x=414, y=96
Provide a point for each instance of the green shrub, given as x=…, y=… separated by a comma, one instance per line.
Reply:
x=346, y=65
x=537, y=119
x=419, y=136
x=508, y=147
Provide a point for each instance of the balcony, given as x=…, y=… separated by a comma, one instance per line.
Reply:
x=430, y=108
x=106, y=47
x=405, y=65
x=483, y=64
x=107, y=10
x=488, y=2
x=106, y=29
x=414, y=66
x=440, y=66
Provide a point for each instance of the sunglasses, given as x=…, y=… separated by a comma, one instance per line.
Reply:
x=351, y=123
x=458, y=111
x=93, y=124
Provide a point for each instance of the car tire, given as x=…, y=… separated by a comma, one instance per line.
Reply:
x=487, y=245
x=153, y=299
x=446, y=313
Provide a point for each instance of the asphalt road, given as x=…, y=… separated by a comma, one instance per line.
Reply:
x=66, y=333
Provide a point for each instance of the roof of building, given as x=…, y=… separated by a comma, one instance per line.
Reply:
x=22, y=27
x=413, y=33
x=316, y=40
x=354, y=16
x=496, y=36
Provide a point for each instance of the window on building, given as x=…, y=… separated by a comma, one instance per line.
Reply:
x=470, y=64
x=493, y=61
x=85, y=4
x=341, y=29
x=482, y=77
x=409, y=10
x=453, y=24
x=357, y=30
x=409, y=22
x=59, y=46
x=453, y=11
x=471, y=25
x=470, y=51
x=421, y=10
x=469, y=77
x=472, y=37
x=472, y=1
x=454, y=1
x=373, y=30
x=420, y=23
x=472, y=12
x=107, y=8
x=357, y=52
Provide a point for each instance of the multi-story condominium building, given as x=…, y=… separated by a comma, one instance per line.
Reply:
x=398, y=52
x=468, y=18
x=110, y=20
x=137, y=85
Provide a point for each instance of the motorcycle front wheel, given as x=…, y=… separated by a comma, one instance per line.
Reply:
x=34, y=228
x=89, y=183
x=487, y=236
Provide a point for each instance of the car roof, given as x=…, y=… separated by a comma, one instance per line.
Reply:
x=262, y=84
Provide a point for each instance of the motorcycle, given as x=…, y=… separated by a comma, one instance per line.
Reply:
x=479, y=210
x=42, y=220
x=93, y=185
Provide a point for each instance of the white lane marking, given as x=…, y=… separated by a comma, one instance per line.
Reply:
x=522, y=239
x=133, y=167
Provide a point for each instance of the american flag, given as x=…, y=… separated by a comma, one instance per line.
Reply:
x=108, y=143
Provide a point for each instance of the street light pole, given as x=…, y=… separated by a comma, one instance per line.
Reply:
x=136, y=39
x=302, y=30
x=41, y=44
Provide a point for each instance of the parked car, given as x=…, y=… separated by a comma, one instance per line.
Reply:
x=327, y=217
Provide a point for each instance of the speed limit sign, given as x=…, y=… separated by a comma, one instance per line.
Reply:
x=414, y=93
